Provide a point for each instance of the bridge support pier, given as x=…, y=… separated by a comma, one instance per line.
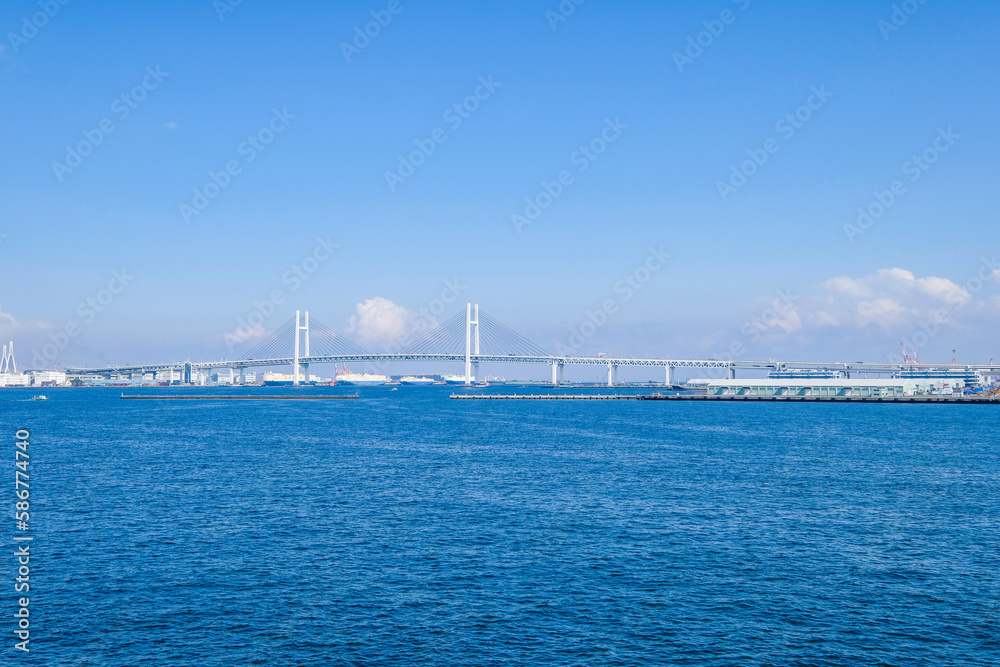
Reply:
x=611, y=375
x=557, y=370
x=671, y=379
x=732, y=372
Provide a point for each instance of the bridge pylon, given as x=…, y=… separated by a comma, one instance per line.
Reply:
x=7, y=363
x=470, y=343
x=296, y=365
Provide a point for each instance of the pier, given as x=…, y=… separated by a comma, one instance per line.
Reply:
x=953, y=400
x=248, y=397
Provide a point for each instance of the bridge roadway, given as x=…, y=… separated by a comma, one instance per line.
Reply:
x=556, y=362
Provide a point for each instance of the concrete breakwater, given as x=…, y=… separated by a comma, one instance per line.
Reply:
x=248, y=397
x=953, y=400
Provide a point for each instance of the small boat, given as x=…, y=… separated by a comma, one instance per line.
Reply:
x=40, y=397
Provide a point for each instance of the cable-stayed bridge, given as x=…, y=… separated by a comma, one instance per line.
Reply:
x=472, y=337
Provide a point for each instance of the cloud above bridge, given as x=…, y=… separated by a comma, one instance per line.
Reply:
x=27, y=331
x=378, y=322
x=7, y=318
x=9, y=324
x=243, y=332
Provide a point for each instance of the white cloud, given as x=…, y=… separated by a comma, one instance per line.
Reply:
x=10, y=325
x=887, y=299
x=379, y=322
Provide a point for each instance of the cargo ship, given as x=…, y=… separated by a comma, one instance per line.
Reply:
x=411, y=380
x=287, y=379
x=359, y=379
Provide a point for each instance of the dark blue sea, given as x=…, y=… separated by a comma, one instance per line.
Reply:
x=404, y=528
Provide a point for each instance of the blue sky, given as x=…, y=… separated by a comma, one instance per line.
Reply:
x=554, y=86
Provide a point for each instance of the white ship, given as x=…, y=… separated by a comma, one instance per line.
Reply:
x=359, y=379
x=409, y=379
x=457, y=379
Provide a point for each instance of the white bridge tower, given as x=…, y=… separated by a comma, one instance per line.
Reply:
x=7, y=363
x=296, y=366
x=470, y=343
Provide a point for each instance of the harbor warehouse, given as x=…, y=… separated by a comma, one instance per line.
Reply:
x=829, y=387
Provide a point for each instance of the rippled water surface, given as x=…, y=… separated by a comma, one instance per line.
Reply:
x=406, y=528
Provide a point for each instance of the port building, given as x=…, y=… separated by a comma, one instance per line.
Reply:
x=965, y=376
x=829, y=386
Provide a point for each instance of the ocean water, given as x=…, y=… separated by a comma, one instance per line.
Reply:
x=405, y=528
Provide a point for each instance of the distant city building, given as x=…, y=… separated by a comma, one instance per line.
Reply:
x=968, y=376
x=14, y=380
x=224, y=377
x=47, y=378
